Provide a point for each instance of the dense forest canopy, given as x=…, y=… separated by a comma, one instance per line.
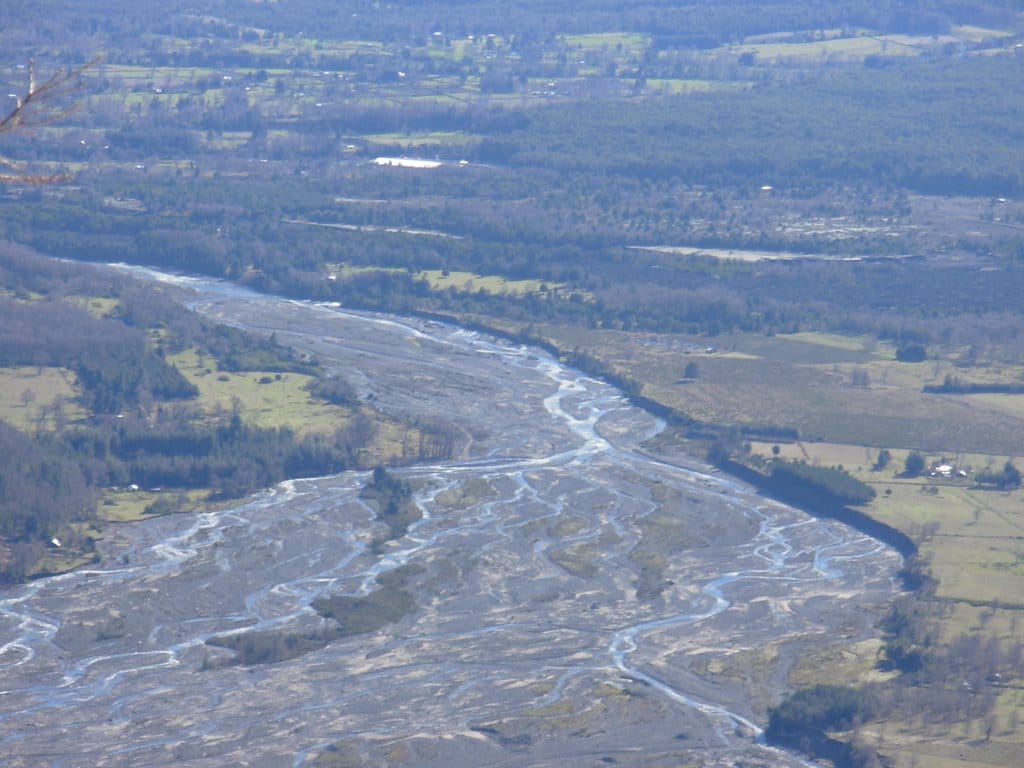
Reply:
x=854, y=127
x=707, y=21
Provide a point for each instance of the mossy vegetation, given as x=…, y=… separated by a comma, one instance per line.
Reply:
x=395, y=505
x=345, y=615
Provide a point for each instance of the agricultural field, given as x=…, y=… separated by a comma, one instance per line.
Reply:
x=38, y=398
x=830, y=388
x=831, y=46
x=973, y=541
x=469, y=282
x=266, y=399
x=283, y=400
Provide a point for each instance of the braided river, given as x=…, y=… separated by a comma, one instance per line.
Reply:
x=580, y=598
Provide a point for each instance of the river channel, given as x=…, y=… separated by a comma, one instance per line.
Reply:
x=579, y=600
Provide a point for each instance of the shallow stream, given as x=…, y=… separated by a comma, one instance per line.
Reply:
x=578, y=601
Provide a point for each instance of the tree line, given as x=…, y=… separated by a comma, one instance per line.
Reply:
x=940, y=685
x=140, y=427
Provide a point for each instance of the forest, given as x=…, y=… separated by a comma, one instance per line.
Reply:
x=142, y=425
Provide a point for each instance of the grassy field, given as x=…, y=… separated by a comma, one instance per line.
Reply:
x=976, y=551
x=127, y=505
x=420, y=140
x=678, y=87
x=620, y=41
x=27, y=397
x=845, y=49
x=97, y=307
x=282, y=400
x=265, y=399
x=850, y=391
x=832, y=48
x=468, y=282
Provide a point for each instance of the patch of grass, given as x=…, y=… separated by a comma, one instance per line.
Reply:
x=1011, y=405
x=678, y=87
x=61, y=561
x=227, y=140
x=469, y=282
x=840, y=664
x=466, y=495
x=417, y=140
x=346, y=270
x=494, y=285
x=623, y=42
x=99, y=307
x=583, y=559
x=265, y=399
x=836, y=341
x=842, y=49
x=124, y=505
x=27, y=397
x=357, y=615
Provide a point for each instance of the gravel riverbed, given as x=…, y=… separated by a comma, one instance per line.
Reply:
x=578, y=601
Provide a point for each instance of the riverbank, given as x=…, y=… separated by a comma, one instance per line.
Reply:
x=704, y=433
x=569, y=596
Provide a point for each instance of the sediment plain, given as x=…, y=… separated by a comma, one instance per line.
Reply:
x=577, y=600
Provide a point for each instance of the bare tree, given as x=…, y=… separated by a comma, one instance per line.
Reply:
x=41, y=104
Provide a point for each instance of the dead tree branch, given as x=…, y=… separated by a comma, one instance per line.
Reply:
x=41, y=104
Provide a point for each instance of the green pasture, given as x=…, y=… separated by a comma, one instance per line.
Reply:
x=126, y=505
x=291, y=46
x=841, y=49
x=1011, y=405
x=836, y=341
x=417, y=140
x=626, y=43
x=281, y=400
x=469, y=282
x=96, y=306
x=810, y=383
x=265, y=399
x=27, y=396
x=678, y=87
x=977, y=548
x=226, y=140
x=830, y=47
x=346, y=270
x=61, y=560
